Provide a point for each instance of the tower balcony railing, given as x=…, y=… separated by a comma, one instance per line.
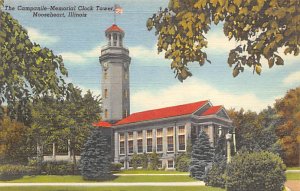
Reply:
x=114, y=50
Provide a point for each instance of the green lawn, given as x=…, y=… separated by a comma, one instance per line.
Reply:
x=141, y=178
x=149, y=172
x=125, y=188
x=293, y=168
x=293, y=176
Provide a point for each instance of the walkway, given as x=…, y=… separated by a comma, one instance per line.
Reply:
x=185, y=174
x=198, y=183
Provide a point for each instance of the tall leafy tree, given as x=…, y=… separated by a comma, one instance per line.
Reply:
x=201, y=157
x=260, y=26
x=58, y=120
x=26, y=68
x=96, y=157
x=288, y=108
x=255, y=132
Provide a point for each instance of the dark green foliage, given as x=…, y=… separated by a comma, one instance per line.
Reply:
x=95, y=162
x=259, y=171
x=182, y=163
x=255, y=132
x=154, y=161
x=116, y=167
x=144, y=161
x=216, y=175
x=136, y=161
x=26, y=69
x=10, y=172
x=58, y=168
x=202, y=155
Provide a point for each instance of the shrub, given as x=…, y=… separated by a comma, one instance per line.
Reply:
x=182, y=163
x=136, y=161
x=144, y=161
x=116, y=167
x=96, y=157
x=58, y=168
x=216, y=175
x=10, y=172
x=260, y=171
x=154, y=161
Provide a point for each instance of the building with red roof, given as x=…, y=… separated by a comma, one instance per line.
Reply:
x=167, y=131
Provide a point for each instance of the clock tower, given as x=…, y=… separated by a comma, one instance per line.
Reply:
x=115, y=63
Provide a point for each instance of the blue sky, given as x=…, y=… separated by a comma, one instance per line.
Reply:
x=153, y=84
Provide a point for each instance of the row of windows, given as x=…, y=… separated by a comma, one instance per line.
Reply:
x=149, y=141
x=113, y=39
x=170, y=164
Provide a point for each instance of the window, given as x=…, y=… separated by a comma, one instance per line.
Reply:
x=122, y=144
x=105, y=93
x=159, y=140
x=126, y=75
x=130, y=142
x=149, y=140
x=170, y=143
x=170, y=164
x=105, y=75
x=125, y=114
x=126, y=93
x=106, y=113
x=181, y=138
x=140, y=141
x=140, y=145
x=170, y=139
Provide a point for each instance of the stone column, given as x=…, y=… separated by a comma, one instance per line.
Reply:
x=135, y=150
x=118, y=40
x=116, y=147
x=165, y=142
x=144, y=141
x=126, y=149
x=53, y=151
x=112, y=39
x=211, y=134
x=69, y=148
x=153, y=140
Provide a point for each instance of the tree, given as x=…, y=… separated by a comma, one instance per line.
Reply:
x=57, y=120
x=182, y=162
x=96, y=157
x=26, y=68
x=13, y=141
x=255, y=132
x=261, y=27
x=263, y=171
x=202, y=155
x=288, y=109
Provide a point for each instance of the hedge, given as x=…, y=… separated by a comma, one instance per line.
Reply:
x=10, y=172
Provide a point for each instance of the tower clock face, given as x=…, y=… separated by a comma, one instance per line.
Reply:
x=105, y=65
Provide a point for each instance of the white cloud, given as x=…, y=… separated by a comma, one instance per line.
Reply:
x=218, y=43
x=41, y=38
x=292, y=78
x=195, y=90
x=81, y=57
x=142, y=52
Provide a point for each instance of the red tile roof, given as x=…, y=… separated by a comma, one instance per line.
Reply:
x=162, y=113
x=102, y=124
x=212, y=110
x=114, y=27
